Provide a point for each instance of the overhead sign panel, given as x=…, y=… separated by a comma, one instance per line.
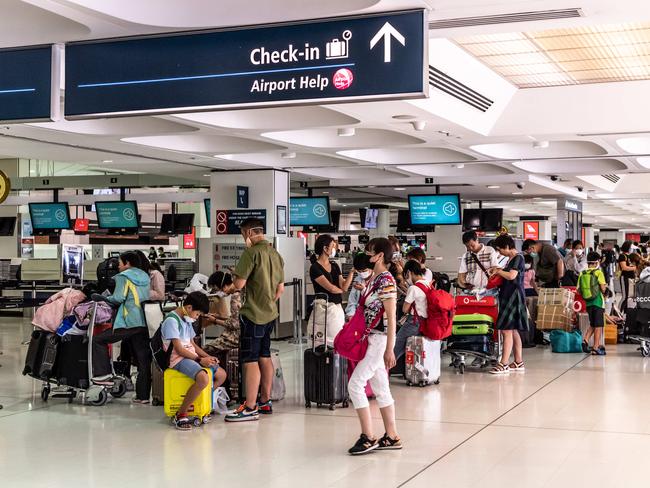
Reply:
x=29, y=87
x=317, y=61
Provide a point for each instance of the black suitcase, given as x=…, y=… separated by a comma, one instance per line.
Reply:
x=72, y=363
x=41, y=355
x=326, y=374
x=471, y=343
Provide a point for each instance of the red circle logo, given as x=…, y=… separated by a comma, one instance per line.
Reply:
x=342, y=79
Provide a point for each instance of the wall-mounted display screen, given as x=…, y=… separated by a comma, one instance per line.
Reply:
x=207, y=204
x=369, y=217
x=7, y=226
x=49, y=216
x=472, y=219
x=117, y=215
x=443, y=209
x=309, y=211
x=176, y=224
x=491, y=219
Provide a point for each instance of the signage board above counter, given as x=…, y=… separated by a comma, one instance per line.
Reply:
x=366, y=57
x=29, y=84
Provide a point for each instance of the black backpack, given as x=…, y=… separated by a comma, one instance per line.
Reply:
x=442, y=281
x=156, y=344
x=106, y=271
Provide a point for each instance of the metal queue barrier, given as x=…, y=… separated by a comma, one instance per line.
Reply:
x=297, y=337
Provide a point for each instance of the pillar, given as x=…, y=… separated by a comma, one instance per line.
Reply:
x=10, y=245
x=383, y=224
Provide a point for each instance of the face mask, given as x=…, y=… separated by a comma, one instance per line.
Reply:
x=528, y=266
x=397, y=255
x=580, y=252
x=221, y=294
x=333, y=253
x=365, y=274
x=533, y=254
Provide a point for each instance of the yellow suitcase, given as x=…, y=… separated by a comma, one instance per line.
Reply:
x=176, y=385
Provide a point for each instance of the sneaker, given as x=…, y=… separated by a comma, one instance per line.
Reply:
x=388, y=444
x=363, y=446
x=265, y=408
x=243, y=414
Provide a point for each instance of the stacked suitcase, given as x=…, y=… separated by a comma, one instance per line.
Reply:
x=422, y=363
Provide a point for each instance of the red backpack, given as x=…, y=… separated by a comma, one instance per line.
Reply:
x=440, y=313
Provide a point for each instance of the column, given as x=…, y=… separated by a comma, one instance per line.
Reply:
x=10, y=246
x=383, y=224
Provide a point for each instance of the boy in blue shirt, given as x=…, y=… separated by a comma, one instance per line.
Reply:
x=187, y=357
x=595, y=301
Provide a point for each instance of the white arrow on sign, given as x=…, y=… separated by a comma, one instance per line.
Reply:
x=386, y=32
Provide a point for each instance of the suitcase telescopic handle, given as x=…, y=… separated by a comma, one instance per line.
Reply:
x=326, y=297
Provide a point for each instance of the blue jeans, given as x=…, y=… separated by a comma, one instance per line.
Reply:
x=409, y=329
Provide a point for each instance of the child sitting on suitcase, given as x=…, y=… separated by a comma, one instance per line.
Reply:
x=187, y=357
x=414, y=303
x=592, y=285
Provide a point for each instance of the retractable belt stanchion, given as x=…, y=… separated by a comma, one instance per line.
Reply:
x=297, y=312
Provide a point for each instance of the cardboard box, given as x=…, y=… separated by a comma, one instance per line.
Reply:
x=556, y=296
x=554, y=317
x=611, y=333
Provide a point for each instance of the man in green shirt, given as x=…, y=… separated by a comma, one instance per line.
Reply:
x=261, y=271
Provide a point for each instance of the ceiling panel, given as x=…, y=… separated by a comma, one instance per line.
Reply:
x=447, y=170
x=583, y=166
x=301, y=160
x=128, y=126
x=408, y=155
x=203, y=143
x=329, y=138
x=555, y=149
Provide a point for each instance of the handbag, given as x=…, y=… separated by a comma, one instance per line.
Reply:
x=494, y=281
x=352, y=340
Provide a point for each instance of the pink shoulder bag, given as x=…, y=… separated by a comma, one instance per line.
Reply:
x=352, y=340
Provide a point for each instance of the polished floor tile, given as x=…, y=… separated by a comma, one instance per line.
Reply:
x=569, y=420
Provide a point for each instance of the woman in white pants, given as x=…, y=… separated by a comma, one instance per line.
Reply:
x=380, y=309
x=327, y=278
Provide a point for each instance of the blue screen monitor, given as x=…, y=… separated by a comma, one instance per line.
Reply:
x=208, y=205
x=441, y=209
x=117, y=215
x=49, y=216
x=309, y=211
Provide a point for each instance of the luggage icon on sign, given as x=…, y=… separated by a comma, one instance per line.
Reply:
x=337, y=49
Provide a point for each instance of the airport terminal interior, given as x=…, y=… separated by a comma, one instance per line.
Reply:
x=327, y=244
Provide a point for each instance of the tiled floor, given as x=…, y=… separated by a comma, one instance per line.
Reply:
x=570, y=420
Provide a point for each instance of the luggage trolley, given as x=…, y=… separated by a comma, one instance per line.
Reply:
x=93, y=394
x=470, y=304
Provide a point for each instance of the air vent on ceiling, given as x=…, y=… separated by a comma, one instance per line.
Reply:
x=567, y=13
x=458, y=90
x=613, y=178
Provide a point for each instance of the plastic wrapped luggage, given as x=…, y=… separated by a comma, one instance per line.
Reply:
x=326, y=375
x=176, y=385
x=472, y=324
x=278, y=388
x=422, y=361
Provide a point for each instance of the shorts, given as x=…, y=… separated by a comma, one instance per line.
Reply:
x=254, y=340
x=596, y=316
x=191, y=368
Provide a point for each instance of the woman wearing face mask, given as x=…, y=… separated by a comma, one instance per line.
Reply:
x=575, y=263
x=221, y=285
x=530, y=285
x=414, y=303
x=327, y=279
x=362, y=266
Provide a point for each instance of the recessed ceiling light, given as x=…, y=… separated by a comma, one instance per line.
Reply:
x=288, y=155
x=459, y=165
x=107, y=161
x=346, y=132
x=326, y=193
x=399, y=189
x=493, y=187
x=517, y=192
x=541, y=144
x=537, y=198
x=206, y=175
x=404, y=117
x=372, y=186
x=345, y=204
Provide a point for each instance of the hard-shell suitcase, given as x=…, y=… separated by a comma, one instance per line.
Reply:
x=468, y=304
x=176, y=386
x=422, y=361
x=472, y=324
x=326, y=376
x=41, y=354
x=470, y=343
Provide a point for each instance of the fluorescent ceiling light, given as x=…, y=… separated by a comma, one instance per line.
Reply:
x=517, y=192
x=107, y=161
x=288, y=155
x=493, y=187
x=399, y=189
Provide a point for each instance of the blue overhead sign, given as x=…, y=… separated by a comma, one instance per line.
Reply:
x=435, y=209
x=341, y=59
x=26, y=87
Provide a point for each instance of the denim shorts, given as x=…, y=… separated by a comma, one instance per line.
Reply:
x=254, y=340
x=191, y=368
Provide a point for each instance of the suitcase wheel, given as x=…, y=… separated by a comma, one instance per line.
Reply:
x=156, y=403
x=437, y=382
x=196, y=422
x=45, y=392
x=319, y=405
x=332, y=406
x=461, y=368
x=408, y=383
x=423, y=384
x=346, y=404
x=307, y=404
x=645, y=351
x=119, y=389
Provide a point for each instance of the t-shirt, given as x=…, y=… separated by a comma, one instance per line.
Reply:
x=488, y=257
x=415, y=295
x=599, y=299
x=382, y=288
x=263, y=269
x=529, y=279
x=171, y=329
x=428, y=275
x=625, y=258
x=332, y=276
x=548, y=258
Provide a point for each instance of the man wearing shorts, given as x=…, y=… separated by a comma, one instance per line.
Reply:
x=260, y=271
